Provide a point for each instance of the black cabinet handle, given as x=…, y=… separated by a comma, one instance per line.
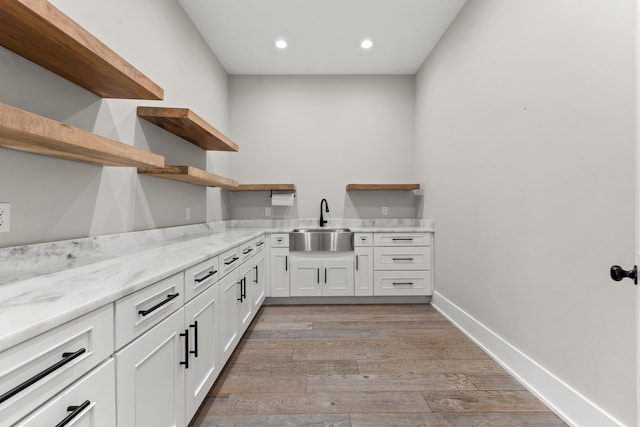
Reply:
x=246, y=251
x=256, y=281
x=325, y=275
x=244, y=288
x=260, y=243
x=186, y=349
x=357, y=256
x=286, y=263
x=402, y=259
x=318, y=271
x=195, y=338
x=66, y=358
x=202, y=279
x=241, y=296
x=402, y=283
x=75, y=411
x=158, y=305
x=410, y=239
x=234, y=259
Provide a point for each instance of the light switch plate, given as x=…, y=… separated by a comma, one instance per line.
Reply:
x=5, y=217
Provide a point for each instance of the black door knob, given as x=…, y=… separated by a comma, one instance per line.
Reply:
x=618, y=273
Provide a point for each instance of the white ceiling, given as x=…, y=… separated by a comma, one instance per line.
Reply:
x=323, y=35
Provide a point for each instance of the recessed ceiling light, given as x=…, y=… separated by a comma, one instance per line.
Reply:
x=281, y=44
x=366, y=44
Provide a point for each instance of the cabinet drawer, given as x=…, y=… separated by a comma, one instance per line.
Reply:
x=259, y=243
x=58, y=357
x=411, y=258
x=142, y=310
x=280, y=240
x=229, y=260
x=362, y=239
x=389, y=283
x=199, y=277
x=247, y=250
x=401, y=239
x=94, y=396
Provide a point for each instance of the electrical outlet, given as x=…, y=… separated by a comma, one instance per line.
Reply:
x=188, y=213
x=385, y=210
x=5, y=217
x=267, y=211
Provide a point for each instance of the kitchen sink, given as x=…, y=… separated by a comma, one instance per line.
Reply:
x=321, y=239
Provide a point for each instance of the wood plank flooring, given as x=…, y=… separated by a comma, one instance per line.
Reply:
x=364, y=365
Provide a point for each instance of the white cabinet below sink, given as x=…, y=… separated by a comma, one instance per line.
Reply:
x=322, y=274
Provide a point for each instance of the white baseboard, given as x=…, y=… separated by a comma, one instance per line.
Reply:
x=566, y=402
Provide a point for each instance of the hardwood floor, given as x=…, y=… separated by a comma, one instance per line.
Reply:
x=364, y=365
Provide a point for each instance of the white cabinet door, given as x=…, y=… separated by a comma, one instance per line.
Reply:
x=229, y=331
x=245, y=305
x=305, y=276
x=279, y=272
x=258, y=283
x=338, y=275
x=150, y=377
x=202, y=321
x=364, y=271
x=90, y=402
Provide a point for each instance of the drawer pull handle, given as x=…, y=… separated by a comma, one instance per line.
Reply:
x=402, y=283
x=256, y=267
x=234, y=259
x=286, y=263
x=202, y=279
x=195, y=338
x=158, y=305
x=186, y=349
x=404, y=239
x=246, y=251
x=75, y=411
x=66, y=358
x=260, y=243
x=402, y=259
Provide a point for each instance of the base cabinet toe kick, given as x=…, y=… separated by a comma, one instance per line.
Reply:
x=147, y=359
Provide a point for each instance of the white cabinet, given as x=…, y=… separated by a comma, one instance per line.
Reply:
x=150, y=376
x=364, y=271
x=202, y=316
x=89, y=402
x=279, y=271
x=363, y=275
x=258, y=282
x=230, y=291
x=245, y=304
x=33, y=372
x=402, y=264
x=322, y=274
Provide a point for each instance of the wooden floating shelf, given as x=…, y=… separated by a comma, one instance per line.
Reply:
x=188, y=125
x=265, y=187
x=29, y=132
x=382, y=187
x=190, y=175
x=43, y=34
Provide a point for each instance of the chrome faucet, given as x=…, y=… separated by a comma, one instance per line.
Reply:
x=326, y=207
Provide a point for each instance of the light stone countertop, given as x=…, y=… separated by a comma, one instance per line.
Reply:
x=45, y=285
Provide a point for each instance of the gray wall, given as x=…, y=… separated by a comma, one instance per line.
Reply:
x=321, y=133
x=55, y=199
x=525, y=147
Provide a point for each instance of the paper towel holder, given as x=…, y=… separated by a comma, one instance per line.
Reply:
x=283, y=192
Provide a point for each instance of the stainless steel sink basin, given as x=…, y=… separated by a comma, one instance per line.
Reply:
x=321, y=239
